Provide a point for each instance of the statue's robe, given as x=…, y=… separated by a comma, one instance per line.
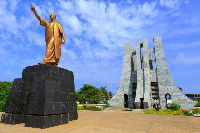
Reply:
x=53, y=40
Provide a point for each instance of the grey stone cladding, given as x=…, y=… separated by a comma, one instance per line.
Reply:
x=141, y=84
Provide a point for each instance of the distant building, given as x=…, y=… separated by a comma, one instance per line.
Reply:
x=193, y=96
x=169, y=101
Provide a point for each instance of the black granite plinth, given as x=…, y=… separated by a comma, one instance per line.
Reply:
x=42, y=98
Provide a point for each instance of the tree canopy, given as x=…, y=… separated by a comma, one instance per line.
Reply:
x=105, y=95
x=89, y=93
x=4, y=92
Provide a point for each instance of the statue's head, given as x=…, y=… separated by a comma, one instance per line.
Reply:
x=52, y=16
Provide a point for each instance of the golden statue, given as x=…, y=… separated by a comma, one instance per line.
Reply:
x=54, y=36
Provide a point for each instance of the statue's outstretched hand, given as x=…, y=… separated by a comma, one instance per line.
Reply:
x=63, y=42
x=32, y=8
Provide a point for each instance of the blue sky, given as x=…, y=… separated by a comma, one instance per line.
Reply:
x=95, y=35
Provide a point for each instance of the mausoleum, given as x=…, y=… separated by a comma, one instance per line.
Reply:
x=143, y=85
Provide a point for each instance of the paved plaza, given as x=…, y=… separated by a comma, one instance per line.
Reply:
x=114, y=120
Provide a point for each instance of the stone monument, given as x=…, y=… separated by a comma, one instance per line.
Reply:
x=141, y=85
x=45, y=95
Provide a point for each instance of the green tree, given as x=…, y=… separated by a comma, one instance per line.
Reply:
x=180, y=88
x=4, y=92
x=110, y=94
x=105, y=95
x=175, y=106
x=76, y=94
x=170, y=97
x=197, y=105
x=89, y=93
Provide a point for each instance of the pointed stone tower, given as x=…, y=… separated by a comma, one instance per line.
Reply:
x=141, y=84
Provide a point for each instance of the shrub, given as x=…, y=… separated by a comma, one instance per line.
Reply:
x=197, y=105
x=178, y=112
x=174, y=106
x=151, y=111
x=186, y=112
x=164, y=112
x=2, y=104
x=80, y=108
x=169, y=112
x=93, y=108
x=196, y=111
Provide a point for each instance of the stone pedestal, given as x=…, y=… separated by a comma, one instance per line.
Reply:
x=42, y=98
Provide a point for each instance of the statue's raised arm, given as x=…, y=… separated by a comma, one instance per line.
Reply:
x=37, y=16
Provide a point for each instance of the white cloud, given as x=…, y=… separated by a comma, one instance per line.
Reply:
x=147, y=10
x=106, y=54
x=13, y=5
x=112, y=11
x=6, y=52
x=186, y=30
x=89, y=9
x=181, y=58
x=75, y=24
x=78, y=43
x=108, y=25
x=5, y=36
x=26, y=22
x=68, y=53
x=111, y=25
x=50, y=7
x=87, y=52
x=187, y=1
x=3, y=54
x=67, y=6
x=173, y=4
x=189, y=18
x=8, y=23
x=70, y=23
x=35, y=38
x=178, y=46
x=9, y=73
x=3, y=7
